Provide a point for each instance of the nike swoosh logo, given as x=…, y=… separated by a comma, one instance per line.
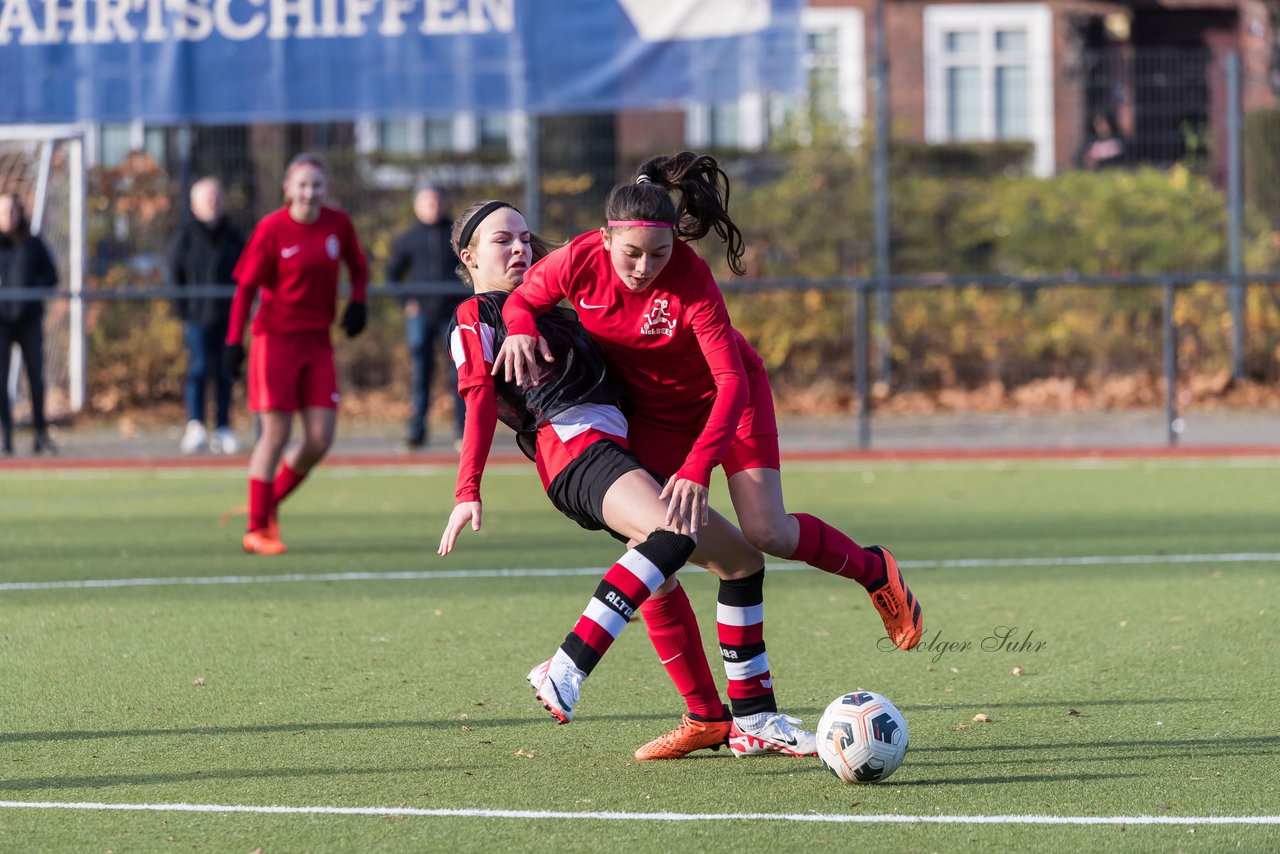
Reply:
x=586, y=304
x=290, y=251
x=672, y=658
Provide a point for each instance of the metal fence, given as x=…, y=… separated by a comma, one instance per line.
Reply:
x=827, y=212
x=1157, y=356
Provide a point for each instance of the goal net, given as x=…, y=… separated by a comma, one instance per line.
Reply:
x=44, y=167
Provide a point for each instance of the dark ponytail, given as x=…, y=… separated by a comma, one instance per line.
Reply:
x=703, y=192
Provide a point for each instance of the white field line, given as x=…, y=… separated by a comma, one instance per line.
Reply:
x=570, y=572
x=536, y=815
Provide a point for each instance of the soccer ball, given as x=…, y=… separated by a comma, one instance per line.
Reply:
x=862, y=737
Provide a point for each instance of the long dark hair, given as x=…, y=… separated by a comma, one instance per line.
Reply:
x=540, y=246
x=702, y=203
x=20, y=231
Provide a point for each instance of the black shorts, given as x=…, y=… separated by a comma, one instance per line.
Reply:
x=578, y=491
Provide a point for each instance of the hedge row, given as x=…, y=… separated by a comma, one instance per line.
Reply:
x=807, y=212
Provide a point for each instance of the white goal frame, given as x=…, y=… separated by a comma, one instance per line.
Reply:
x=74, y=136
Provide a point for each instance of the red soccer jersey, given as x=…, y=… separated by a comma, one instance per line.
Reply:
x=560, y=441
x=295, y=265
x=671, y=345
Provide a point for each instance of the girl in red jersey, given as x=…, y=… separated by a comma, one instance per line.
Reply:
x=700, y=392
x=570, y=424
x=293, y=259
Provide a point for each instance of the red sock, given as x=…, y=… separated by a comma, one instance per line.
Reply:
x=260, y=503
x=287, y=480
x=829, y=550
x=673, y=628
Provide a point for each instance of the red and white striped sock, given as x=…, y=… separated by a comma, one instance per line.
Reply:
x=625, y=587
x=740, y=626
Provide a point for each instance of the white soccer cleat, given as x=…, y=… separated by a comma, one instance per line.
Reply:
x=556, y=684
x=195, y=438
x=770, y=733
x=227, y=441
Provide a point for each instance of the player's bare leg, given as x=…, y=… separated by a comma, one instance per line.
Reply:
x=319, y=425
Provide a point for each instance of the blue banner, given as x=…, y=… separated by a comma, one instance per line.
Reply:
x=241, y=61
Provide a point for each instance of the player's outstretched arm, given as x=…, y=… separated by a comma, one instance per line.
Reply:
x=463, y=512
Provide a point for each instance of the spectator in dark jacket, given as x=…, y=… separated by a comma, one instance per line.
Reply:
x=203, y=253
x=424, y=255
x=25, y=262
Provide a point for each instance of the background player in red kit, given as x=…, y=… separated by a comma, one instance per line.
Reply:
x=571, y=424
x=700, y=393
x=293, y=260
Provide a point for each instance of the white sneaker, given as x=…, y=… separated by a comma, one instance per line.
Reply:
x=195, y=439
x=227, y=441
x=556, y=684
x=770, y=733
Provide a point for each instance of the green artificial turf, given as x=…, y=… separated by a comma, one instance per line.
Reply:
x=1143, y=689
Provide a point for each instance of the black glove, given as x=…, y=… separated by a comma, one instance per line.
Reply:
x=353, y=319
x=233, y=360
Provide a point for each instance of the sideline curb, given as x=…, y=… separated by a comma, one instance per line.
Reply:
x=385, y=460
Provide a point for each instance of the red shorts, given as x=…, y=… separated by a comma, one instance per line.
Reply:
x=755, y=443
x=292, y=371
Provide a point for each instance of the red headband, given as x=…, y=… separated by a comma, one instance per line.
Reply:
x=638, y=223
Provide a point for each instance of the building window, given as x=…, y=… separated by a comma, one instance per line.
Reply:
x=438, y=134
x=155, y=141
x=835, y=62
x=724, y=125
x=115, y=141
x=989, y=75
x=495, y=131
x=396, y=136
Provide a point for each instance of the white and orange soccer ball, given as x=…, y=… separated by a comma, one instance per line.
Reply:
x=862, y=737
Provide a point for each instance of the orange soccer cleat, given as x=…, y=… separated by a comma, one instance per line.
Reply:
x=262, y=543
x=898, y=608
x=691, y=735
x=273, y=521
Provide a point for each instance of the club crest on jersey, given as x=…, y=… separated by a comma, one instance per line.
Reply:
x=332, y=246
x=657, y=321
